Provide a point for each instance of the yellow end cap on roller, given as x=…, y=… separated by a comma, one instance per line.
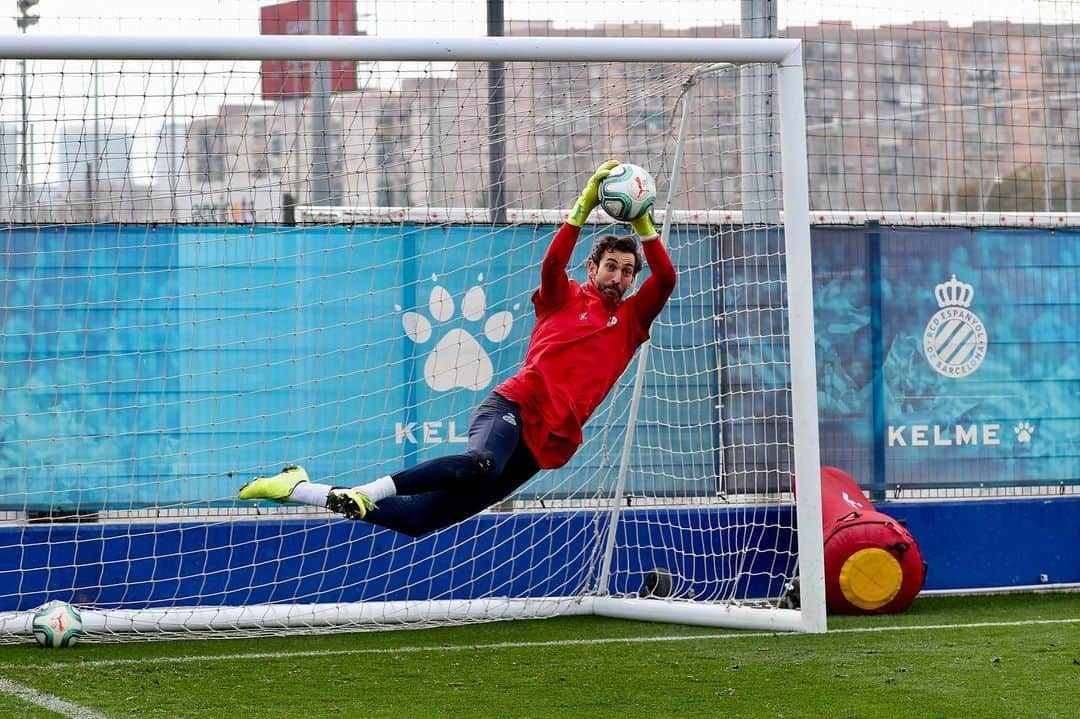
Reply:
x=870, y=578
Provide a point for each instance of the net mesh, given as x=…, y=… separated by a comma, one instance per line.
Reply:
x=227, y=285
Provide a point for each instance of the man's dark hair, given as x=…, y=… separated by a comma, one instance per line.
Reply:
x=624, y=243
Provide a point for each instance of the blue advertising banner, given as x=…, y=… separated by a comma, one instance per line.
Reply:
x=156, y=366
x=949, y=356
x=165, y=366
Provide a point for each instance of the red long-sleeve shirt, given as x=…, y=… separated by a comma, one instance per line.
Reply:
x=579, y=347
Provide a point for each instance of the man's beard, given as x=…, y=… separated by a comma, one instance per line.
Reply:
x=612, y=291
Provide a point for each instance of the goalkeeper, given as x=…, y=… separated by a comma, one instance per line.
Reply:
x=584, y=337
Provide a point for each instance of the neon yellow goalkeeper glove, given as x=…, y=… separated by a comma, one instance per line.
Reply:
x=644, y=226
x=588, y=200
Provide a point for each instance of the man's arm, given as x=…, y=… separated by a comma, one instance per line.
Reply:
x=656, y=290
x=553, y=280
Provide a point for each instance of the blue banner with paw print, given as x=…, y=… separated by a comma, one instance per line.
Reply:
x=166, y=366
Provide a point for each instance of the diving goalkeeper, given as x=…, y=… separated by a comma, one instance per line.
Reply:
x=584, y=337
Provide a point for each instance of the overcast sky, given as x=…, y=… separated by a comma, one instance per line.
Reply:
x=467, y=17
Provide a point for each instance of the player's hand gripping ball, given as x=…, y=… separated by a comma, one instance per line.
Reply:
x=627, y=193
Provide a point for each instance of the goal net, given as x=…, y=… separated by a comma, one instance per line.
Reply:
x=213, y=268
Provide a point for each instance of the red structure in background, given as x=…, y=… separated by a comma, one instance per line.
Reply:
x=872, y=563
x=290, y=79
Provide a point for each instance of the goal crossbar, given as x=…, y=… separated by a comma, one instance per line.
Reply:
x=328, y=47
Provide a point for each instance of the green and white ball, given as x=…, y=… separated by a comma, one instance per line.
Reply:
x=627, y=193
x=57, y=624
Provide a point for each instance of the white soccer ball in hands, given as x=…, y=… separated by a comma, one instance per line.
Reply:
x=627, y=193
x=57, y=624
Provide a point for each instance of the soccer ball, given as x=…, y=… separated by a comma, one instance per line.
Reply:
x=627, y=193
x=57, y=624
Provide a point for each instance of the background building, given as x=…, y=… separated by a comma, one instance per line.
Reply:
x=88, y=153
x=922, y=117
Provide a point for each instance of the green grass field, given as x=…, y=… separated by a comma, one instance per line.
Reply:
x=973, y=657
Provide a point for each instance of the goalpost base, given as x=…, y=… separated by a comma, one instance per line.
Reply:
x=114, y=624
x=705, y=615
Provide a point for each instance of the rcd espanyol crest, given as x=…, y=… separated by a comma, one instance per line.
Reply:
x=955, y=338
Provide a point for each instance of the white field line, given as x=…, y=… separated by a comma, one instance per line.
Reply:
x=191, y=659
x=47, y=701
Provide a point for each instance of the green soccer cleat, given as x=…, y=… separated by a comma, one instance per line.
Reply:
x=351, y=503
x=276, y=488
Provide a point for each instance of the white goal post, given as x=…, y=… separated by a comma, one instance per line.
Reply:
x=171, y=334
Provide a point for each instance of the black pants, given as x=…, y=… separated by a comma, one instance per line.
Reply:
x=446, y=490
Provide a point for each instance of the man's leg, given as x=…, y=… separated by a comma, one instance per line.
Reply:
x=494, y=434
x=419, y=514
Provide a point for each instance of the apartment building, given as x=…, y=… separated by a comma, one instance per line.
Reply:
x=920, y=117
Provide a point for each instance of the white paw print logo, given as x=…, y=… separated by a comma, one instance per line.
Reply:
x=1024, y=430
x=458, y=359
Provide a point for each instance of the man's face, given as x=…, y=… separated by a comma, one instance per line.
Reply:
x=614, y=275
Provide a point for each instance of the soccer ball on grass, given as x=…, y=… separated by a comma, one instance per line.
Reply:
x=627, y=193
x=57, y=624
